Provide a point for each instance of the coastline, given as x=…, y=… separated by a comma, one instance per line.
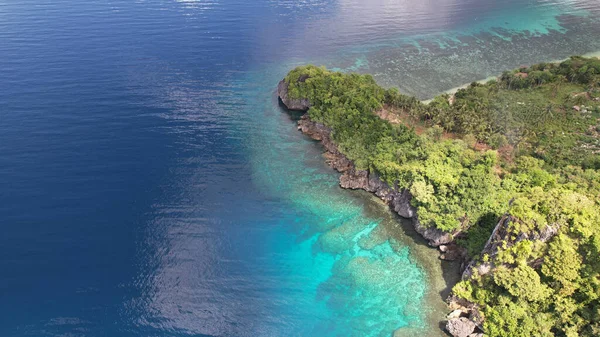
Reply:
x=402, y=225
x=466, y=317
x=440, y=276
x=353, y=179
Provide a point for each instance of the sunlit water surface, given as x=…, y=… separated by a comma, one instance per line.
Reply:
x=151, y=185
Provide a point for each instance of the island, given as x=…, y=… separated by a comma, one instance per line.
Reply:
x=503, y=176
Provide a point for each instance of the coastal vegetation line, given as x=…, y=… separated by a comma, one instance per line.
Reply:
x=503, y=175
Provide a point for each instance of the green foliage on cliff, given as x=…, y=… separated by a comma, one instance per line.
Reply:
x=539, y=289
x=544, y=122
x=453, y=185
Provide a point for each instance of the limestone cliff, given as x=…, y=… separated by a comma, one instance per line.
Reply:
x=297, y=104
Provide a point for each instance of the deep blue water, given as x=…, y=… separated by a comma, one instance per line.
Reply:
x=151, y=186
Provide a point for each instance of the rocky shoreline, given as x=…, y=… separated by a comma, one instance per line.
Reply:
x=352, y=178
x=464, y=320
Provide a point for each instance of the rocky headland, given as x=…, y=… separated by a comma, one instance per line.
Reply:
x=516, y=210
x=399, y=200
x=464, y=315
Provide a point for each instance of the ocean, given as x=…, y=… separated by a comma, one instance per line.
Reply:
x=151, y=185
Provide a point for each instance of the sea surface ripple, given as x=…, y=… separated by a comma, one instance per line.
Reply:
x=150, y=185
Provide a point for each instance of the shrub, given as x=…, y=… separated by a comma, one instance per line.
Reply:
x=497, y=141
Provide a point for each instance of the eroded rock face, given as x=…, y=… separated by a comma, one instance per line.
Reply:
x=337, y=162
x=435, y=236
x=299, y=104
x=355, y=179
x=460, y=327
x=381, y=189
x=402, y=206
x=501, y=237
x=452, y=252
x=316, y=131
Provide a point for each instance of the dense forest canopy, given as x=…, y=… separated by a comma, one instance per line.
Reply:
x=525, y=145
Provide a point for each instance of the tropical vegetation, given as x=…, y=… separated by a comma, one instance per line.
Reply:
x=526, y=145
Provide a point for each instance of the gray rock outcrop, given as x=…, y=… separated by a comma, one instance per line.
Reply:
x=453, y=252
x=502, y=237
x=460, y=327
x=298, y=104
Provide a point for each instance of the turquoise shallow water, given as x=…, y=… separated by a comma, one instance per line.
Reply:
x=153, y=187
x=364, y=284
